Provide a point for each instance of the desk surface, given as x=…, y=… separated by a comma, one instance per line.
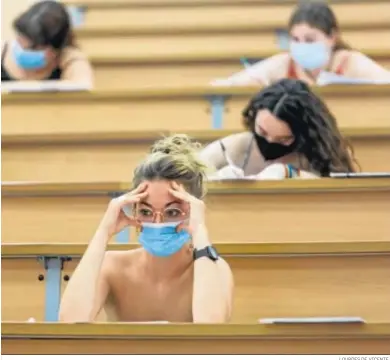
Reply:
x=193, y=29
x=187, y=92
x=31, y=189
x=138, y=3
x=235, y=249
x=115, y=330
x=150, y=136
x=204, y=57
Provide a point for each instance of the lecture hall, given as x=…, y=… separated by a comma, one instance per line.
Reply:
x=135, y=131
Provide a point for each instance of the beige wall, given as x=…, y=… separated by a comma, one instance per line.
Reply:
x=11, y=9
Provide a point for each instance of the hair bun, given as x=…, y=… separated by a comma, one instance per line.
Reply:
x=176, y=144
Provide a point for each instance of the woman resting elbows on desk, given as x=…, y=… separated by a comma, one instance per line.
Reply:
x=176, y=275
x=291, y=134
x=315, y=46
x=44, y=48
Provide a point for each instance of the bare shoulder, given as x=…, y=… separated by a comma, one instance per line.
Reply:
x=118, y=260
x=238, y=140
x=282, y=58
x=70, y=54
x=273, y=67
x=346, y=56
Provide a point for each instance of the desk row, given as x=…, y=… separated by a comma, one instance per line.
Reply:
x=271, y=280
x=128, y=339
x=106, y=156
x=188, y=109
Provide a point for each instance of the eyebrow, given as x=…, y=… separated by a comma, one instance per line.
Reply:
x=151, y=206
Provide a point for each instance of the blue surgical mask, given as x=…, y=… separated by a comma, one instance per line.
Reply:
x=162, y=239
x=28, y=59
x=310, y=56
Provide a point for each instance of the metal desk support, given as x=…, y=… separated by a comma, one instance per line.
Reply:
x=217, y=110
x=53, y=266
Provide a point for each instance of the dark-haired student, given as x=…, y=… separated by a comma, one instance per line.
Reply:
x=290, y=134
x=44, y=48
x=315, y=45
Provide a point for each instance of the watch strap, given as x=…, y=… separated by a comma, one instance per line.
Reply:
x=207, y=251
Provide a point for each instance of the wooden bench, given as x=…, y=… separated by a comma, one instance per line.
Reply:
x=205, y=18
x=192, y=108
x=189, y=3
x=285, y=279
x=119, y=29
x=290, y=210
x=125, y=42
x=117, y=338
x=193, y=68
x=111, y=156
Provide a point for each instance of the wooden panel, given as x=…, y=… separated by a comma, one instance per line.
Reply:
x=22, y=295
x=271, y=15
x=203, y=346
x=169, y=108
x=177, y=45
x=10, y=10
x=317, y=216
x=125, y=76
x=66, y=219
x=110, y=162
x=340, y=106
x=137, y=75
x=308, y=286
x=117, y=338
x=72, y=163
x=190, y=3
x=271, y=286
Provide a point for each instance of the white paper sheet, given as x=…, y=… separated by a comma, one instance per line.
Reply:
x=42, y=86
x=327, y=78
x=312, y=320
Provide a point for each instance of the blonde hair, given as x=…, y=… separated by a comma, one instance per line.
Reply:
x=174, y=158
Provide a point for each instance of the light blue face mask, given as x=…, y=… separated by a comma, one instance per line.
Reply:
x=28, y=59
x=162, y=239
x=310, y=56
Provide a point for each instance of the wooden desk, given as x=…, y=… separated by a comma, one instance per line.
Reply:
x=19, y=338
x=189, y=3
x=187, y=109
x=193, y=68
x=271, y=280
x=73, y=157
x=290, y=210
x=125, y=42
x=216, y=16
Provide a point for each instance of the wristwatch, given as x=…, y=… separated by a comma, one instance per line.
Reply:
x=208, y=251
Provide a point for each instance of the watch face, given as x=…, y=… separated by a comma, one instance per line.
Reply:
x=213, y=253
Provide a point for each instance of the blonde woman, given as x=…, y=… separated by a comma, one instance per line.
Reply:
x=176, y=275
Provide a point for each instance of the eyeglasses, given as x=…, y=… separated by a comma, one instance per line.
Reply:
x=168, y=215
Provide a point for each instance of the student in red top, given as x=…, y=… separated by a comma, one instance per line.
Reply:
x=315, y=45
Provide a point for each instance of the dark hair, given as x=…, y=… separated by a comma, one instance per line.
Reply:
x=314, y=127
x=46, y=23
x=318, y=15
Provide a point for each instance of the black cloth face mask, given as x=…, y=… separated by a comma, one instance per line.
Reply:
x=272, y=151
